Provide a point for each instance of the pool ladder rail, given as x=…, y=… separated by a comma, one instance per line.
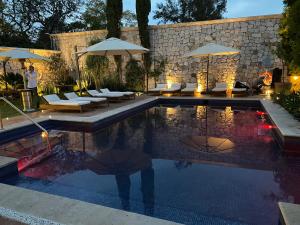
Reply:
x=44, y=135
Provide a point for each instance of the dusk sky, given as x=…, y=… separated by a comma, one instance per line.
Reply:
x=235, y=8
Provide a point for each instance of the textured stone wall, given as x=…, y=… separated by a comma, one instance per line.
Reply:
x=256, y=37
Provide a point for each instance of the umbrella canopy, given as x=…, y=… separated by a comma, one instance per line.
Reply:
x=212, y=49
x=114, y=46
x=22, y=56
x=16, y=54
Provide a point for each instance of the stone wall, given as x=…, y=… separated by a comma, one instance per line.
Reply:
x=256, y=37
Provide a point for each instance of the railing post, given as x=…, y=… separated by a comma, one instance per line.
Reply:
x=1, y=122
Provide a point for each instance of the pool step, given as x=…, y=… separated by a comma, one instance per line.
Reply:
x=8, y=166
x=28, y=146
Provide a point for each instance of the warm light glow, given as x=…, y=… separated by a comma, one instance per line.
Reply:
x=295, y=78
x=44, y=134
x=199, y=87
x=50, y=116
x=7, y=118
x=169, y=83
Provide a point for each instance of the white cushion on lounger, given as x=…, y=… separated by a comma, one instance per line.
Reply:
x=73, y=96
x=188, y=89
x=159, y=87
x=191, y=85
x=174, y=87
x=239, y=89
x=106, y=90
x=220, y=87
x=95, y=93
x=55, y=100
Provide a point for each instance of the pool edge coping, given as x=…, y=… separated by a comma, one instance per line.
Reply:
x=40, y=206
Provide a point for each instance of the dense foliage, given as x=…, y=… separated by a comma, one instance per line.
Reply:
x=134, y=75
x=96, y=66
x=37, y=18
x=289, y=101
x=28, y=23
x=158, y=70
x=177, y=11
x=289, y=47
x=112, y=83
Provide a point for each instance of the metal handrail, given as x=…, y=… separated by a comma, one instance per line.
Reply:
x=22, y=113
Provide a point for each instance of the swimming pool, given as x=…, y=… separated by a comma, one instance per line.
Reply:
x=192, y=164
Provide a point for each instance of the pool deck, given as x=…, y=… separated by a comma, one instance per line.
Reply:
x=289, y=213
x=32, y=207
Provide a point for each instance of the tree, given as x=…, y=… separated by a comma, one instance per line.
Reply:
x=9, y=36
x=128, y=19
x=143, y=8
x=289, y=47
x=38, y=18
x=189, y=10
x=114, y=12
x=94, y=16
x=294, y=32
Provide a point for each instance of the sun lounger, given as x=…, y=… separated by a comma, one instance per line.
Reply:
x=159, y=88
x=96, y=101
x=220, y=89
x=54, y=102
x=189, y=89
x=110, y=96
x=240, y=88
x=175, y=88
x=128, y=94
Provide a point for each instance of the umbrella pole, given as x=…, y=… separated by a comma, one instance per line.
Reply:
x=78, y=69
x=23, y=72
x=207, y=71
x=4, y=74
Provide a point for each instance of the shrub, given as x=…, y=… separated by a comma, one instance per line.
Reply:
x=112, y=82
x=289, y=101
x=96, y=67
x=134, y=75
x=14, y=80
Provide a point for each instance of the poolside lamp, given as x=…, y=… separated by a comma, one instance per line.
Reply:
x=211, y=49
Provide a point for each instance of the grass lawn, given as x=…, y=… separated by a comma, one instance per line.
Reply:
x=7, y=111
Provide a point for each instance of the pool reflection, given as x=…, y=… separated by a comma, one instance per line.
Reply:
x=170, y=162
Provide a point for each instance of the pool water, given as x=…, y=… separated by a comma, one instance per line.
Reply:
x=188, y=164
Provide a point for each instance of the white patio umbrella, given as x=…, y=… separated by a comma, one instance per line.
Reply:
x=211, y=49
x=112, y=47
x=21, y=56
